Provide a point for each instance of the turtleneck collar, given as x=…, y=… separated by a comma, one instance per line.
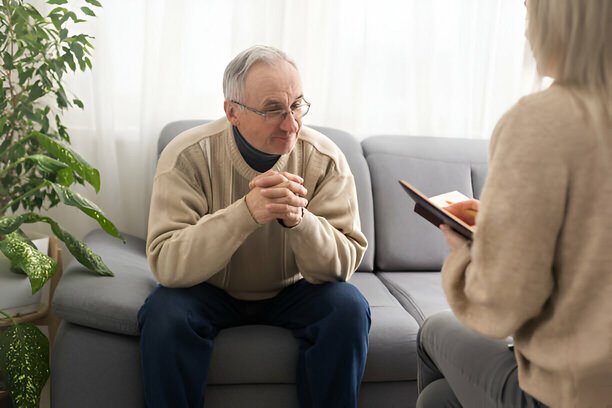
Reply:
x=256, y=159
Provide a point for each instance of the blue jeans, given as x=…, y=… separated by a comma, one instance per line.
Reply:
x=178, y=327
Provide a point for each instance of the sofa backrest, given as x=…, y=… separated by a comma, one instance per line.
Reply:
x=404, y=240
x=351, y=148
x=173, y=129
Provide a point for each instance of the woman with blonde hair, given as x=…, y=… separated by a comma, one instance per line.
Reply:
x=540, y=266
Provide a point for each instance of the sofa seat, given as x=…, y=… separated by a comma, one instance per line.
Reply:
x=420, y=293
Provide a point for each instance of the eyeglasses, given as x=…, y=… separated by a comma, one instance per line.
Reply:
x=298, y=111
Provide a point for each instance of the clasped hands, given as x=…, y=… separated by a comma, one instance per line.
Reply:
x=465, y=211
x=277, y=195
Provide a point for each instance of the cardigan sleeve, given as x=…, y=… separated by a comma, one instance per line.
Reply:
x=328, y=243
x=181, y=223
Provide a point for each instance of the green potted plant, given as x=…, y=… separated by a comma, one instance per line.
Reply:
x=37, y=166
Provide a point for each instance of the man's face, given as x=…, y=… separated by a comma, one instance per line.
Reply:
x=269, y=88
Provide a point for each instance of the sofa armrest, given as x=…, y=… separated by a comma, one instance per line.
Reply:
x=106, y=303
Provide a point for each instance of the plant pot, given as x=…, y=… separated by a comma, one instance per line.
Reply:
x=16, y=298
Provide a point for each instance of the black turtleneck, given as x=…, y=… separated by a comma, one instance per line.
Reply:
x=257, y=159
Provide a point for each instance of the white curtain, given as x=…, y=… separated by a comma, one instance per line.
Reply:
x=418, y=67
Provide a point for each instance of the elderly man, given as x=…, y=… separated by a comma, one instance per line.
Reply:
x=254, y=220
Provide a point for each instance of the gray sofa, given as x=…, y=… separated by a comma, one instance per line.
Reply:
x=95, y=358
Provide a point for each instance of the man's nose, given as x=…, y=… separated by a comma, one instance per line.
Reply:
x=289, y=123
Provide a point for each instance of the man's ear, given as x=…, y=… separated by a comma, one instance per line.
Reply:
x=231, y=112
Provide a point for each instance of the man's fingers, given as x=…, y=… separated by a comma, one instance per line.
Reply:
x=262, y=175
x=272, y=178
x=293, y=177
x=269, y=181
x=283, y=210
x=289, y=188
x=291, y=200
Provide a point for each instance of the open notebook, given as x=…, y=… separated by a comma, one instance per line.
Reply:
x=432, y=211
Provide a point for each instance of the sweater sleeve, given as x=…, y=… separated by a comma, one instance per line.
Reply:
x=328, y=243
x=186, y=244
x=503, y=279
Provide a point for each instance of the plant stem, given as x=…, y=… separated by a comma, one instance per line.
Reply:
x=12, y=165
x=11, y=42
x=7, y=317
x=29, y=193
x=15, y=145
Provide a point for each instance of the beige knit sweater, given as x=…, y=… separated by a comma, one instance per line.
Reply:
x=540, y=266
x=200, y=228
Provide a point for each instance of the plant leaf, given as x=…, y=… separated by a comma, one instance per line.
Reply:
x=74, y=199
x=57, y=1
x=47, y=164
x=71, y=158
x=93, y=3
x=11, y=223
x=82, y=252
x=38, y=266
x=77, y=248
x=36, y=92
x=88, y=11
x=24, y=360
x=65, y=177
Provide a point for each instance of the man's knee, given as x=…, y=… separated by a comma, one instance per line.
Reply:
x=349, y=308
x=162, y=313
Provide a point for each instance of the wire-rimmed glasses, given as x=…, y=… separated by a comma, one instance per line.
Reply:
x=297, y=110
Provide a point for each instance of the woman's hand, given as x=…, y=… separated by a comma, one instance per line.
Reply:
x=466, y=210
x=453, y=239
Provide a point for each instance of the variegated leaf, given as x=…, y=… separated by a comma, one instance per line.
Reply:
x=74, y=199
x=11, y=223
x=65, y=177
x=24, y=362
x=47, y=164
x=38, y=266
x=71, y=158
x=77, y=248
x=82, y=252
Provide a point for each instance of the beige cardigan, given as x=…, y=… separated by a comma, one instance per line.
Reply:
x=200, y=228
x=540, y=266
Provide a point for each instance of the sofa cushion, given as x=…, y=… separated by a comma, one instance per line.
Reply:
x=420, y=293
x=405, y=241
x=351, y=148
x=106, y=303
x=392, y=348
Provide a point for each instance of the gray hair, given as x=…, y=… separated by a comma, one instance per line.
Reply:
x=236, y=71
x=574, y=37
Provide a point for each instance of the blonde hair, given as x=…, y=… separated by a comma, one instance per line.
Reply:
x=573, y=38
